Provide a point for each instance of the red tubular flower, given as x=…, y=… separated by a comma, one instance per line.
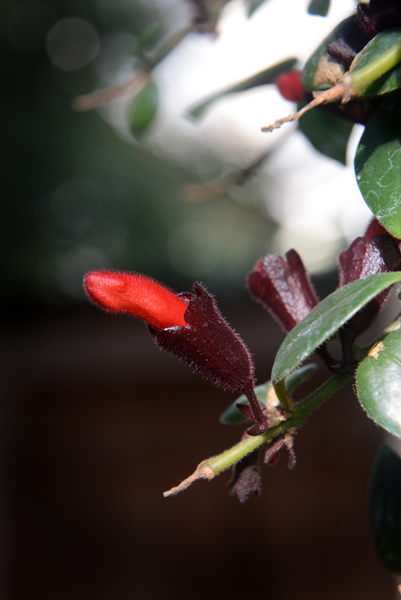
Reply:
x=283, y=287
x=136, y=295
x=187, y=325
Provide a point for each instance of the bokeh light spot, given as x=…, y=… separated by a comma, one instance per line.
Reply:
x=72, y=43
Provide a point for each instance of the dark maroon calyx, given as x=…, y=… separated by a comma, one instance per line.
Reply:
x=283, y=288
x=208, y=344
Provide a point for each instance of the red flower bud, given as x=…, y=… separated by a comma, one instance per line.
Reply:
x=187, y=325
x=283, y=287
x=136, y=295
x=290, y=86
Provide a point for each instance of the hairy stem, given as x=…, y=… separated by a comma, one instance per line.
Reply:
x=302, y=410
x=207, y=469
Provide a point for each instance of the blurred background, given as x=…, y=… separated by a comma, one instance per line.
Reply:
x=96, y=423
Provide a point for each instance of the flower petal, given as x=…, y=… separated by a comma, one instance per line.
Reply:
x=136, y=295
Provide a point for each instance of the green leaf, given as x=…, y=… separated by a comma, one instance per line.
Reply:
x=378, y=383
x=327, y=133
x=143, y=109
x=385, y=508
x=320, y=71
x=262, y=78
x=325, y=319
x=378, y=164
x=377, y=68
x=232, y=415
x=319, y=7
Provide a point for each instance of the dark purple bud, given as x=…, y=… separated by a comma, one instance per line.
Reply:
x=283, y=287
x=210, y=347
x=379, y=254
x=207, y=343
x=365, y=257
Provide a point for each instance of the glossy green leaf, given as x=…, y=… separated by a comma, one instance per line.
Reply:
x=319, y=7
x=143, y=109
x=385, y=508
x=232, y=415
x=325, y=319
x=378, y=164
x=262, y=78
x=327, y=133
x=381, y=61
x=378, y=383
x=320, y=71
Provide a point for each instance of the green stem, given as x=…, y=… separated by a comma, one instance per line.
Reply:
x=362, y=78
x=211, y=467
x=302, y=410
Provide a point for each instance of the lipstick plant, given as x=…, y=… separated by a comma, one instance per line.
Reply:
x=190, y=326
x=354, y=75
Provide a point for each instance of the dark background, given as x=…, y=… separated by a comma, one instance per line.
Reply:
x=95, y=422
